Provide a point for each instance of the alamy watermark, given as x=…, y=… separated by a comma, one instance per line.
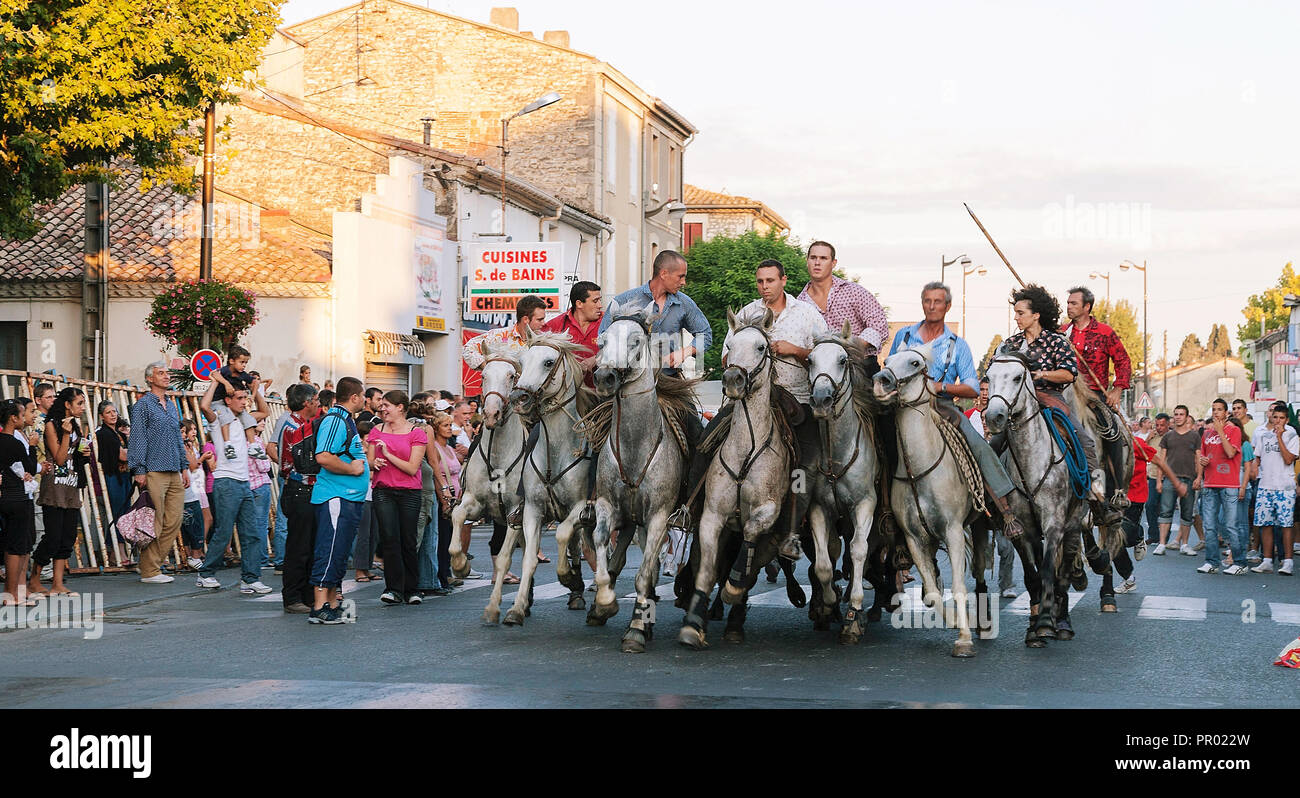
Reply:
x=77, y=751
x=84, y=611
x=1128, y=222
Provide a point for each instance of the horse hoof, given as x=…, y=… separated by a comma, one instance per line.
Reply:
x=734, y=635
x=732, y=595
x=1046, y=633
x=794, y=591
x=1034, y=642
x=1109, y=606
x=577, y=602
x=633, y=642
x=491, y=618
x=873, y=615
x=592, y=620
x=514, y=618
x=605, y=611
x=692, y=638
x=851, y=634
x=460, y=566
x=963, y=649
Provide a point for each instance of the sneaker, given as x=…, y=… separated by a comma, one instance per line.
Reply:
x=1159, y=549
x=414, y=598
x=326, y=615
x=1265, y=567
x=254, y=587
x=208, y=582
x=160, y=579
x=297, y=608
x=1207, y=568
x=1140, y=550
x=1010, y=593
x=230, y=451
x=1295, y=548
x=1288, y=565
x=1235, y=570
x=194, y=563
x=1129, y=585
x=389, y=597
x=474, y=575
x=1188, y=550
x=258, y=453
x=48, y=571
x=1200, y=545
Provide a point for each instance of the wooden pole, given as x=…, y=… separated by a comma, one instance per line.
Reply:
x=995, y=245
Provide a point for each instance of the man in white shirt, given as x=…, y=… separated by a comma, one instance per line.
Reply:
x=1276, y=448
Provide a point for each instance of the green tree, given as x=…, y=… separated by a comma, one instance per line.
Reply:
x=1123, y=319
x=721, y=276
x=1265, y=312
x=86, y=81
x=1191, y=351
x=1218, y=342
x=988, y=355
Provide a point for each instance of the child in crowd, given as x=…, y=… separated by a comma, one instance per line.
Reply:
x=198, y=517
x=234, y=376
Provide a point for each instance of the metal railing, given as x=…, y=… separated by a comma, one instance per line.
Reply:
x=98, y=548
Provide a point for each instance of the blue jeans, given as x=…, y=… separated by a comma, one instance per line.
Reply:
x=118, y=487
x=234, y=507
x=429, y=556
x=1169, y=495
x=262, y=511
x=281, y=528
x=1245, y=512
x=1216, y=502
x=1153, y=512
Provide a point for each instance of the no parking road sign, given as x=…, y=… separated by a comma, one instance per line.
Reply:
x=203, y=363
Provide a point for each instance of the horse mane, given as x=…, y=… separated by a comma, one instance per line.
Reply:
x=575, y=361
x=676, y=394
x=864, y=400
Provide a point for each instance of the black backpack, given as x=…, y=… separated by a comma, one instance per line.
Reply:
x=303, y=452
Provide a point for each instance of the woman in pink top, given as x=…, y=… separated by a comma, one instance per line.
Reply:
x=446, y=478
x=396, y=449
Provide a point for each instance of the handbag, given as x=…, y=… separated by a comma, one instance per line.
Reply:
x=136, y=526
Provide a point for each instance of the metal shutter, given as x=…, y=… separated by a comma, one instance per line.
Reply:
x=387, y=377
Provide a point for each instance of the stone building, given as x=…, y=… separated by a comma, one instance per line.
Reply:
x=606, y=147
x=1198, y=384
x=712, y=213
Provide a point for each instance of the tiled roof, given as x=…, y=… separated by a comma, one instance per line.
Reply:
x=155, y=237
x=703, y=199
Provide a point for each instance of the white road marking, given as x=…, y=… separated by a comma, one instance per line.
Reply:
x=1021, y=605
x=775, y=597
x=1285, y=613
x=1173, y=608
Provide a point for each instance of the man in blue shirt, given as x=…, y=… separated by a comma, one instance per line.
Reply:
x=339, y=496
x=677, y=311
x=156, y=458
x=952, y=375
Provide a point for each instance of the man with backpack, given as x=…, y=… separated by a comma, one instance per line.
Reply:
x=295, y=500
x=338, y=497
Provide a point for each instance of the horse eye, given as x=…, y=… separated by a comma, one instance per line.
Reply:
x=843, y=360
x=1018, y=378
x=916, y=363
x=762, y=347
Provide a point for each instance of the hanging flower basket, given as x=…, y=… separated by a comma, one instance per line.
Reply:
x=183, y=313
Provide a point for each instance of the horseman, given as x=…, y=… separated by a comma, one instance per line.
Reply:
x=840, y=300
x=795, y=324
x=1054, y=366
x=952, y=376
x=1098, y=345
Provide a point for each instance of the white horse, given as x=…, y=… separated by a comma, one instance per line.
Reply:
x=931, y=497
x=490, y=481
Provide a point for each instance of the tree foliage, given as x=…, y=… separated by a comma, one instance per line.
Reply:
x=721, y=276
x=988, y=354
x=1123, y=318
x=1265, y=312
x=1191, y=351
x=1218, y=342
x=86, y=81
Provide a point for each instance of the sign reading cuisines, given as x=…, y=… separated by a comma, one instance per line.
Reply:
x=502, y=274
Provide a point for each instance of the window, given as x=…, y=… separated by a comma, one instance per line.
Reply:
x=655, y=179
x=609, y=141
x=633, y=259
x=13, y=345
x=674, y=173
x=633, y=157
x=691, y=232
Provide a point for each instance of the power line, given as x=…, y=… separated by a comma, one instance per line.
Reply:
x=319, y=123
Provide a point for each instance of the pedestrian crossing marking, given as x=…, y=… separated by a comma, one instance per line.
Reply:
x=1021, y=605
x=1173, y=608
x=1285, y=613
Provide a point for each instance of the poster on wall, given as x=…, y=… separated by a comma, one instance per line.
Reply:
x=471, y=381
x=428, y=288
x=499, y=275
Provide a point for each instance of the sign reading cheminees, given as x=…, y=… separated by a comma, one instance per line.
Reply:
x=502, y=274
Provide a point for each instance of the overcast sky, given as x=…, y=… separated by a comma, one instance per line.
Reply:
x=1082, y=135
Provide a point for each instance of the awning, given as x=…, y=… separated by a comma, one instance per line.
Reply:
x=391, y=343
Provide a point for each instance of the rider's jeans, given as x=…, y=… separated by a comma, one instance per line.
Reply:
x=1219, y=511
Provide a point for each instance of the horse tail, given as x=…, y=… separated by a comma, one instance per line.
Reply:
x=1080, y=399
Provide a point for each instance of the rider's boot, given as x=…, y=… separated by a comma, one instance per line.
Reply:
x=1011, y=527
x=790, y=547
x=1103, y=511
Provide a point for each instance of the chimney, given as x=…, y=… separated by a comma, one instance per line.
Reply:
x=507, y=18
x=559, y=38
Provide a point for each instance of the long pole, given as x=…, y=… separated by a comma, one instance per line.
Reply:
x=963, y=303
x=1146, y=364
x=995, y=245
x=1165, y=358
x=505, y=131
x=209, y=178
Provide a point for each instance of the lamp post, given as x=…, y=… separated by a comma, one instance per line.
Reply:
x=964, y=274
x=1146, y=368
x=1103, y=276
x=541, y=102
x=965, y=261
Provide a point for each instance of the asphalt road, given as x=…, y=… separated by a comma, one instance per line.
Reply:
x=1182, y=640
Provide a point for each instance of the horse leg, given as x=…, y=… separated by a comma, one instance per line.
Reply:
x=965, y=646
x=741, y=577
x=492, y=613
x=641, y=628
x=859, y=545
x=695, y=624
x=981, y=561
x=735, y=631
x=568, y=567
x=793, y=590
x=931, y=584
x=1064, y=630
x=532, y=532
x=823, y=562
x=729, y=549
x=1052, y=582
x=468, y=504
x=605, y=605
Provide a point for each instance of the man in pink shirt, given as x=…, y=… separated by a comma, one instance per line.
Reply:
x=1219, y=469
x=841, y=300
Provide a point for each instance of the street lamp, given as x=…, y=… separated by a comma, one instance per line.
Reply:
x=1125, y=266
x=964, y=274
x=1103, y=276
x=541, y=102
x=965, y=261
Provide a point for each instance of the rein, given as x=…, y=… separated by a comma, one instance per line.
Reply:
x=839, y=391
x=755, y=451
x=485, y=452
x=541, y=410
x=632, y=486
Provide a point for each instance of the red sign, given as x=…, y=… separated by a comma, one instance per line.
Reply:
x=471, y=381
x=1286, y=359
x=203, y=363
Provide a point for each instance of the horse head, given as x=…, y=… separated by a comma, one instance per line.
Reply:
x=544, y=373
x=830, y=370
x=624, y=347
x=904, y=376
x=749, y=355
x=1011, y=389
x=500, y=371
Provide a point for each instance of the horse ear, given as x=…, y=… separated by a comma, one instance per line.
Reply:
x=612, y=309
x=529, y=335
x=650, y=313
x=768, y=318
x=731, y=320
x=846, y=332
x=484, y=346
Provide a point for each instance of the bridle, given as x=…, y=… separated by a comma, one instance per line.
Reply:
x=632, y=486
x=1027, y=416
x=536, y=395
x=1020, y=389
x=623, y=372
x=839, y=391
x=755, y=451
x=764, y=362
x=540, y=408
x=485, y=452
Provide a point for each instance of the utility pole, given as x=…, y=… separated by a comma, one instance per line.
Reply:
x=1165, y=359
x=209, y=178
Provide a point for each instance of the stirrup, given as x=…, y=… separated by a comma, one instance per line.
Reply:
x=1011, y=527
x=516, y=516
x=680, y=518
x=791, y=549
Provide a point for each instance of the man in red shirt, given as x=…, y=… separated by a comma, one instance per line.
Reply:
x=1097, y=345
x=1219, y=469
x=582, y=321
